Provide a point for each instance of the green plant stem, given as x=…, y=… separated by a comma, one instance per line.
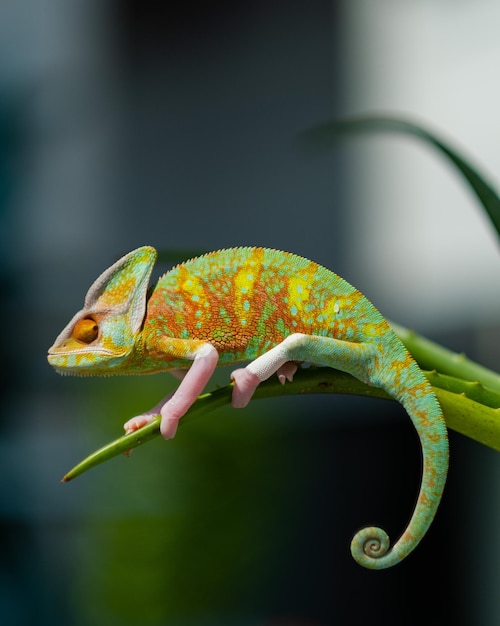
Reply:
x=432, y=356
x=472, y=419
x=459, y=399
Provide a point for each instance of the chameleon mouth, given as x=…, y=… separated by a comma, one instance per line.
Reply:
x=78, y=360
x=81, y=363
x=60, y=352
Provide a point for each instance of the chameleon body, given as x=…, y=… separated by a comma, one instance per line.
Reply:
x=268, y=307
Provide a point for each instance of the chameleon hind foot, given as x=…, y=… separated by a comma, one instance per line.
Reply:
x=246, y=382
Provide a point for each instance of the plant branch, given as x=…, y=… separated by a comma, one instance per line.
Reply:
x=432, y=356
x=469, y=408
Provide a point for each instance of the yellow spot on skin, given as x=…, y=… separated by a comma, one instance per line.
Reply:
x=372, y=330
x=244, y=280
x=298, y=291
x=194, y=288
x=243, y=286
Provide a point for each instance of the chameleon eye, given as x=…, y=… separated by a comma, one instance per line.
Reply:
x=86, y=330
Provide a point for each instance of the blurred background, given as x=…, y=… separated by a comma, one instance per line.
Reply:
x=123, y=125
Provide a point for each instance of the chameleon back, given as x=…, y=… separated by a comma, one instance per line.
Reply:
x=246, y=300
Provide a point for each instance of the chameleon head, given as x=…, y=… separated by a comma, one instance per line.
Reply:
x=101, y=338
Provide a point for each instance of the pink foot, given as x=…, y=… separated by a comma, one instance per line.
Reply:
x=245, y=384
x=168, y=427
x=137, y=422
x=146, y=418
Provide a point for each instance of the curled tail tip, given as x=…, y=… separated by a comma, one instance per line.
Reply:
x=370, y=549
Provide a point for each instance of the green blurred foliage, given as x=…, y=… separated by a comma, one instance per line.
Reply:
x=180, y=529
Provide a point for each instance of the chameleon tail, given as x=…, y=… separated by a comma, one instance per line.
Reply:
x=370, y=546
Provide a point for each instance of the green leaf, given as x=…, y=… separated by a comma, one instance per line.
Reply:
x=320, y=137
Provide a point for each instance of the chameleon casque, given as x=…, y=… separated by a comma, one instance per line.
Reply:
x=268, y=307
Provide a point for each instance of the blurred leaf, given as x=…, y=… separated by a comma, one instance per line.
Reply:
x=320, y=138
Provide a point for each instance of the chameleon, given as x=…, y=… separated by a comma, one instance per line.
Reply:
x=272, y=310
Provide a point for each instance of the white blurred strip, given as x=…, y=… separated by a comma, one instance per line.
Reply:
x=422, y=246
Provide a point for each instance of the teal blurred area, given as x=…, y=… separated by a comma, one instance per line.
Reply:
x=123, y=125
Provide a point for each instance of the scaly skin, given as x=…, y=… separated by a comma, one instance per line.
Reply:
x=273, y=309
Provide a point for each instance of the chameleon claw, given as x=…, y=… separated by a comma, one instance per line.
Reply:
x=135, y=423
x=286, y=372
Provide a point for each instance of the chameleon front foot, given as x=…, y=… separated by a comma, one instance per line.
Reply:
x=168, y=426
x=139, y=421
